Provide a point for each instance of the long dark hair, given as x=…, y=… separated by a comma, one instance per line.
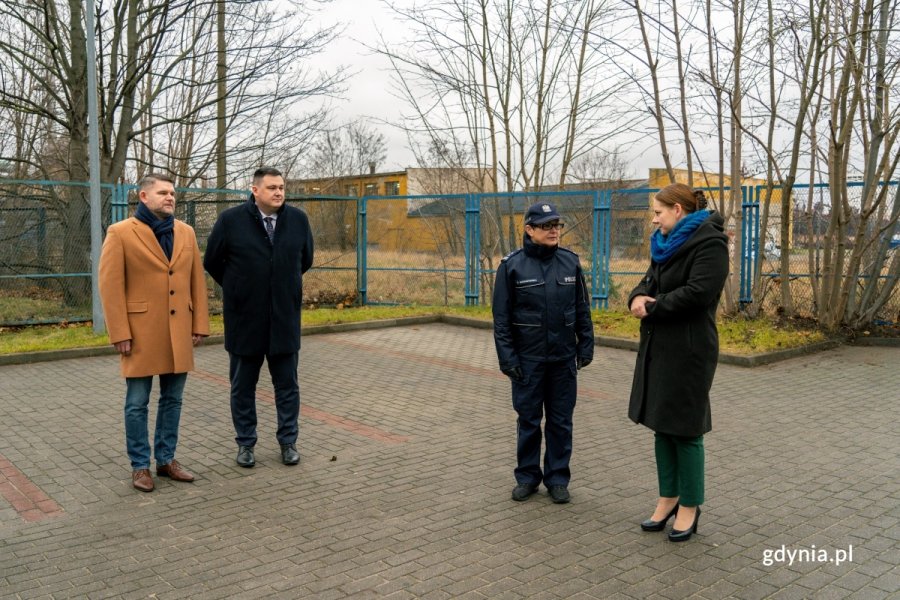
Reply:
x=678, y=193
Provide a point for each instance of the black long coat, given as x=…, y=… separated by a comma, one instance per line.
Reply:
x=679, y=347
x=262, y=283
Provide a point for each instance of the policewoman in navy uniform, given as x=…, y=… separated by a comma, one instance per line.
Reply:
x=543, y=333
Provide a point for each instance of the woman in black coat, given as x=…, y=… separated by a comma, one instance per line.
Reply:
x=676, y=302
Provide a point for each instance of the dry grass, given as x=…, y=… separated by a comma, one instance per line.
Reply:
x=737, y=335
x=412, y=278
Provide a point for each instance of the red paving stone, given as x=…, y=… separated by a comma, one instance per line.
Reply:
x=25, y=497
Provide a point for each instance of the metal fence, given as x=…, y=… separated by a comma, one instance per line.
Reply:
x=807, y=231
x=428, y=250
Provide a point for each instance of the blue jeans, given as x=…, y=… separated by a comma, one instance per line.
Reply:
x=168, y=415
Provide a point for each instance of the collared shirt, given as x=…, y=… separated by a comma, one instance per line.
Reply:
x=273, y=216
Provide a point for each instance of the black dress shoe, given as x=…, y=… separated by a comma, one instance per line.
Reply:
x=683, y=536
x=523, y=491
x=245, y=457
x=289, y=454
x=559, y=494
x=651, y=525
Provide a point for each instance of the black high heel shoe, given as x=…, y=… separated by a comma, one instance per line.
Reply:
x=683, y=536
x=650, y=525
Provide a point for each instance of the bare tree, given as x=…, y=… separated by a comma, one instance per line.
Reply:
x=736, y=98
x=156, y=84
x=601, y=166
x=832, y=94
x=863, y=112
x=354, y=148
x=516, y=80
x=657, y=109
x=675, y=87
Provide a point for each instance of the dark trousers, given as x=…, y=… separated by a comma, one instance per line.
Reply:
x=551, y=388
x=244, y=374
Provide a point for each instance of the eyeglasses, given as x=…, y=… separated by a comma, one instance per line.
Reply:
x=549, y=226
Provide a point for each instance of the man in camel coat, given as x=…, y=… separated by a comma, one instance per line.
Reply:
x=155, y=302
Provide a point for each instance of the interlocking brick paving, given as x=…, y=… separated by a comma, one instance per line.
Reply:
x=407, y=445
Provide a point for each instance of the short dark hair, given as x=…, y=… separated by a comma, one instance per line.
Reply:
x=150, y=179
x=263, y=171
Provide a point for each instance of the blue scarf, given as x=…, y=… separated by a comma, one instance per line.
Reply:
x=162, y=228
x=662, y=247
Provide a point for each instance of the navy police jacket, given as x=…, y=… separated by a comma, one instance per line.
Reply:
x=541, y=307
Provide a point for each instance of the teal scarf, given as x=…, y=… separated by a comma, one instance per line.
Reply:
x=662, y=247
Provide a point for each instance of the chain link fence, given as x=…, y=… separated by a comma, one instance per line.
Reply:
x=415, y=250
x=807, y=240
x=45, y=264
x=333, y=279
x=427, y=250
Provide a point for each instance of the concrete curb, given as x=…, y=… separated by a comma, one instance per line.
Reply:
x=765, y=358
x=750, y=360
x=740, y=360
x=366, y=325
x=875, y=341
x=25, y=358
x=614, y=342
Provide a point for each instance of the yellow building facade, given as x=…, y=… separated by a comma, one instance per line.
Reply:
x=423, y=210
x=414, y=210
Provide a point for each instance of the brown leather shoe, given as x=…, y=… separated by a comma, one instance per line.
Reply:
x=174, y=471
x=141, y=480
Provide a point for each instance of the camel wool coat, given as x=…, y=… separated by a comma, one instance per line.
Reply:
x=156, y=303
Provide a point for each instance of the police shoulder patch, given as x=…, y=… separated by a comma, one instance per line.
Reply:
x=513, y=253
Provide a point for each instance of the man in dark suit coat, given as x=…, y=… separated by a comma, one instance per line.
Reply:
x=258, y=253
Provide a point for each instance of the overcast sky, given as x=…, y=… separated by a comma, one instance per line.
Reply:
x=368, y=93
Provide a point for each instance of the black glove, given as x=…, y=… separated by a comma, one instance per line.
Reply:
x=581, y=362
x=515, y=373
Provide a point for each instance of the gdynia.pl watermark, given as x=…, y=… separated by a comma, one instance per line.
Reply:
x=783, y=555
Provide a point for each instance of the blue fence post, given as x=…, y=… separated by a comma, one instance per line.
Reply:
x=119, y=203
x=42, y=231
x=473, y=249
x=750, y=235
x=190, y=213
x=600, y=249
x=362, y=243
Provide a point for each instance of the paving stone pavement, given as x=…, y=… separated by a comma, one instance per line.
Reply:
x=407, y=445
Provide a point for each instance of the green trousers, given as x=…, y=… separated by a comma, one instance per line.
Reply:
x=679, y=467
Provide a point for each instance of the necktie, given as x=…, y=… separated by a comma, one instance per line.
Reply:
x=270, y=229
